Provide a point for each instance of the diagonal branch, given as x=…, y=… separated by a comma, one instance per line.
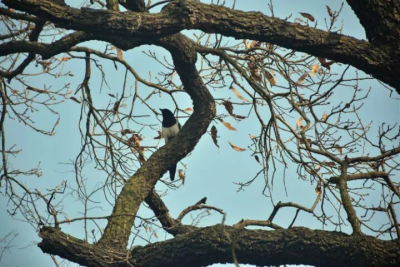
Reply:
x=346, y=201
x=380, y=19
x=141, y=184
x=161, y=211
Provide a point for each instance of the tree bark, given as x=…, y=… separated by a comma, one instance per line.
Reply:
x=381, y=61
x=210, y=245
x=141, y=184
x=380, y=19
x=203, y=246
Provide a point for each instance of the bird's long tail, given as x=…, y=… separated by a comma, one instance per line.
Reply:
x=172, y=171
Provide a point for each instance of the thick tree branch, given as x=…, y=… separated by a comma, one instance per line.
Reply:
x=360, y=176
x=14, y=15
x=210, y=245
x=368, y=175
x=141, y=184
x=112, y=5
x=346, y=201
x=379, y=61
x=203, y=246
x=133, y=5
x=380, y=19
x=45, y=50
x=127, y=24
x=161, y=211
x=33, y=37
x=388, y=153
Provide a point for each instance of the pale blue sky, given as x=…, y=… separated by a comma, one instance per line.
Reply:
x=211, y=171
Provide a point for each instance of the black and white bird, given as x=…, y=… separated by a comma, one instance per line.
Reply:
x=170, y=128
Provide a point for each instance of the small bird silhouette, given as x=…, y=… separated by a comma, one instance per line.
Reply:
x=170, y=128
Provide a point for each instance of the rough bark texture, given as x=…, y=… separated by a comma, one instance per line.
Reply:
x=133, y=5
x=203, y=246
x=141, y=184
x=210, y=245
x=380, y=19
x=381, y=61
x=161, y=211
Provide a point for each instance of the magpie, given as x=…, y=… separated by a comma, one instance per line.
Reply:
x=170, y=128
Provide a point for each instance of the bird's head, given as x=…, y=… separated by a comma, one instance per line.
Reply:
x=166, y=113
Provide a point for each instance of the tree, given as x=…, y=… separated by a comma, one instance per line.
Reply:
x=279, y=71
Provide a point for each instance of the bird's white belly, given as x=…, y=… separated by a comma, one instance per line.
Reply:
x=170, y=132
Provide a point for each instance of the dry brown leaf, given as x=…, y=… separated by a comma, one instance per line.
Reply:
x=126, y=131
x=116, y=107
x=119, y=53
x=240, y=117
x=339, y=149
x=317, y=168
x=330, y=163
x=318, y=189
x=309, y=142
x=253, y=44
x=188, y=110
x=246, y=44
x=45, y=65
x=255, y=74
x=159, y=136
x=214, y=135
x=253, y=136
x=322, y=60
x=63, y=58
x=182, y=176
x=227, y=125
x=314, y=69
x=325, y=116
x=239, y=95
x=74, y=99
x=251, y=65
x=308, y=16
x=237, y=148
x=141, y=156
x=330, y=13
x=298, y=122
x=270, y=78
x=302, y=78
x=135, y=139
x=325, y=63
x=228, y=106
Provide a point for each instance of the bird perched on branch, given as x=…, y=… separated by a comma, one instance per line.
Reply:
x=170, y=128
